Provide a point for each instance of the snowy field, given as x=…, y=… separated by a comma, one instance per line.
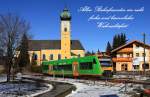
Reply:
x=135, y=77
x=28, y=88
x=2, y=78
x=86, y=88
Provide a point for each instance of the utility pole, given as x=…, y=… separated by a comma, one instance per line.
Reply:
x=144, y=51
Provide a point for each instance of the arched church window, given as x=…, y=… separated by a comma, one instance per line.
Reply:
x=35, y=56
x=59, y=56
x=79, y=55
x=44, y=57
x=65, y=29
x=51, y=56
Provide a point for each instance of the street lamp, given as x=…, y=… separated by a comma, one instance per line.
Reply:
x=144, y=52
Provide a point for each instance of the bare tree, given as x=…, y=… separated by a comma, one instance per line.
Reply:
x=12, y=28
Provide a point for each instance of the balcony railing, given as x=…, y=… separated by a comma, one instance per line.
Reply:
x=126, y=50
x=122, y=59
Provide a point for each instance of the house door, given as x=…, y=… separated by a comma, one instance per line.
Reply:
x=75, y=69
x=124, y=67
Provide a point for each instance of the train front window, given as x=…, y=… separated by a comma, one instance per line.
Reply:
x=86, y=66
x=94, y=61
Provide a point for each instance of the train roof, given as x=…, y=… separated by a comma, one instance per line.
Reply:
x=82, y=59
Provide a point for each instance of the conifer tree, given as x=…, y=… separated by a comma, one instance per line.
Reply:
x=93, y=52
x=33, y=61
x=23, y=56
x=98, y=51
x=114, y=45
x=118, y=40
x=108, y=48
x=88, y=53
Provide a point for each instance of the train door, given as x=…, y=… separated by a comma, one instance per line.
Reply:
x=75, y=69
x=50, y=69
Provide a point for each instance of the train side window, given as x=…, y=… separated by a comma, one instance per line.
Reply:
x=67, y=67
x=86, y=66
x=55, y=67
x=94, y=61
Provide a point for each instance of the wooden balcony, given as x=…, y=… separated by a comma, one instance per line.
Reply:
x=126, y=50
x=122, y=59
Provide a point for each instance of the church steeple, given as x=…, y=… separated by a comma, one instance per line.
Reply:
x=65, y=33
x=65, y=15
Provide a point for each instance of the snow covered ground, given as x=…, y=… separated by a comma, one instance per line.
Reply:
x=135, y=77
x=86, y=88
x=28, y=88
x=2, y=78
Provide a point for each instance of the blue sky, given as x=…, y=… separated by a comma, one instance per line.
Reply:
x=44, y=17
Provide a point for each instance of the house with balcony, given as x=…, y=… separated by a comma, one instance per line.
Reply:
x=130, y=57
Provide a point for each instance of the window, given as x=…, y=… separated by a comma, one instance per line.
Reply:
x=59, y=56
x=145, y=66
x=86, y=65
x=137, y=46
x=137, y=54
x=121, y=55
x=35, y=57
x=143, y=54
x=128, y=55
x=51, y=56
x=124, y=67
x=66, y=67
x=136, y=66
x=44, y=57
x=106, y=63
x=65, y=29
x=94, y=61
x=78, y=55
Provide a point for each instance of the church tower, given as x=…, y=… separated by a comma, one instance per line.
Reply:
x=65, y=18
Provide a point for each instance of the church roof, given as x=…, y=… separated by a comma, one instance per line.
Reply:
x=52, y=44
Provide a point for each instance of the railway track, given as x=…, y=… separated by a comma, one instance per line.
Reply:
x=113, y=80
x=122, y=80
x=129, y=81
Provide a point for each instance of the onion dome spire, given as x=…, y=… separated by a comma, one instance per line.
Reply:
x=65, y=15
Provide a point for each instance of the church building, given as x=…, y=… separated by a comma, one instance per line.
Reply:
x=42, y=50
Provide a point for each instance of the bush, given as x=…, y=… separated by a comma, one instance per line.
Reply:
x=2, y=69
x=37, y=69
